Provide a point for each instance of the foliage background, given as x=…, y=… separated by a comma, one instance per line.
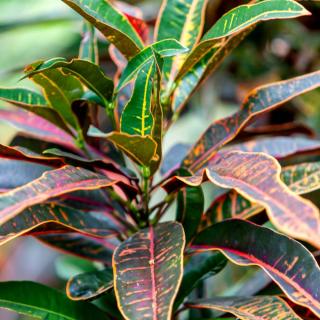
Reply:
x=41, y=29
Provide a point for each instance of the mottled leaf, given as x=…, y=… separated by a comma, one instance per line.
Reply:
x=165, y=48
x=286, y=261
x=36, y=300
x=90, y=285
x=111, y=23
x=148, y=270
x=256, y=176
x=89, y=46
x=93, y=223
x=223, y=37
x=51, y=184
x=88, y=73
x=199, y=268
x=183, y=21
x=260, y=100
x=136, y=118
x=249, y=308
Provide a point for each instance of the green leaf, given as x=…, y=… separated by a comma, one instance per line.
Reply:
x=52, y=216
x=183, y=21
x=60, y=91
x=148, y=269
x=89, y=46
x=42, y=302
x=165, y=48
x=33, y=102
x=140, y=149
x=136, y=118
x=301, y=179
x=261, y=99
x=111, y=23
x=190, y=206
x=90, y=285
x=51, y=184
x=285, y=260
x=251, y=308
x=88, y=73
x=256, y=176
x=223, y=37
x=199, y=268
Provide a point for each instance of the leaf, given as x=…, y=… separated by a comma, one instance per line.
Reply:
x=223, y=37
x=165, y=48
x=44, y=302
x=89, y=46
x=249, y=308
x=51, y=184
x=140, y=149
x=111, y=23
x=80, y=245
x=36, y=127
x=278, y=147
x=256, y=176
x=88, y=73
x=90, y=285
x=301, y=179
x=199, y=268
x=261, y=99
x=136, y=118
x=147, y=271
x=100, y=224
x=60, y=91
x=33, y=102
x=190, y=206
x=285, y=260
x=183, y=21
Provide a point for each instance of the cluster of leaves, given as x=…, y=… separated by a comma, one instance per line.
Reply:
x=91, y=151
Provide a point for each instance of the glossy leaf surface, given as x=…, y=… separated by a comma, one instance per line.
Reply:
x=44, y=302
x=260, y=100
x=286, y=261
x=251, y=308
x=51, y=184
x=89, y=44
x=90, y=285
x=111, y=23
x=148, y=270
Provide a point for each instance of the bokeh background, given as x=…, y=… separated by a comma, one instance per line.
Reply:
x=41, y=29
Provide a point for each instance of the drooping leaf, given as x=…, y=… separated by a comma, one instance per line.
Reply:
x=148, y=270
x=278, y=147
x=286, y=261
x=89, y=46
x=36, y=127
x=140, y=149
x=190, y=206
x=260, y=100
x=39, y=301
x=301, y=178
x=100, y=224
x=80, y=245
x=256, y=176
x=165, y=48
x=51, y=184
x=111, y=23
x=90, y=285
x=223, y=37
x=91, y=75
x=249, y=308
x=183, y=21
x=136, y=118
x=200, y=267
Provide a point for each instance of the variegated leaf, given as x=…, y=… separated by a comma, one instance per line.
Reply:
x=89, y=46
x=148, y=270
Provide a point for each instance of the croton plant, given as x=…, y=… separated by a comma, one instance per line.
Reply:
x=83, y=171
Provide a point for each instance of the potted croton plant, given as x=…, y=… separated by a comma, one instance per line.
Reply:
x=91, y=150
